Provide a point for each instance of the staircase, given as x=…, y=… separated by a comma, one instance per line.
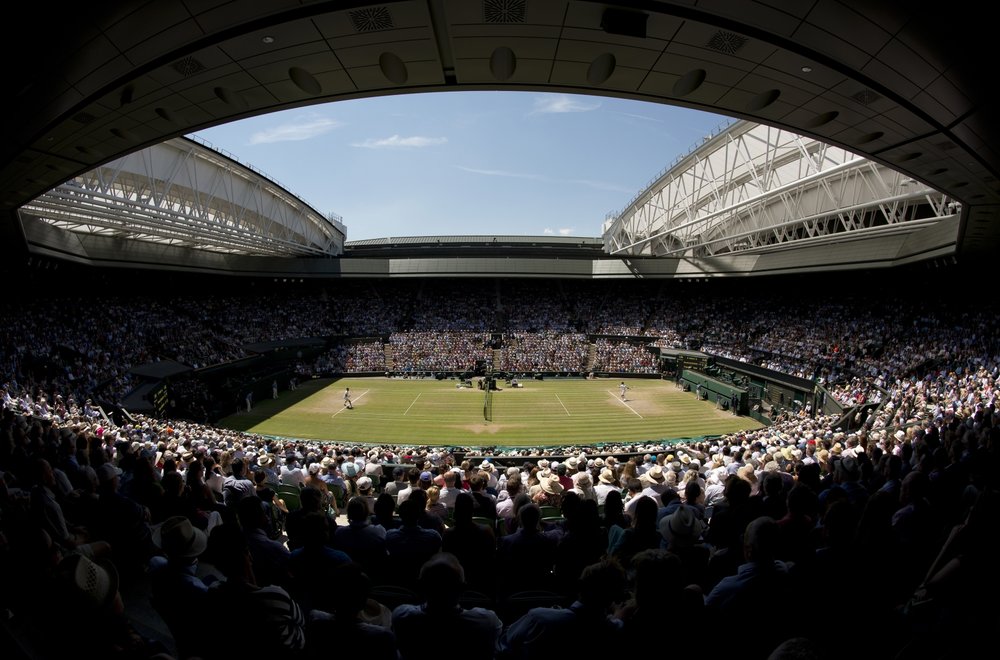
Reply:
x=591, y=356
x=387, y=352
x=495, y=359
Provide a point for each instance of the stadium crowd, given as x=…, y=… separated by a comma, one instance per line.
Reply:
x=621, y=536
x=545, y=351
x=624, y=357
x=365, y=356
x=389, y=544
x=854, y=348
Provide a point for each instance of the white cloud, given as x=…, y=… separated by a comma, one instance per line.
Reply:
x=548, y=231
x=635, y=116
x=397, y=142
x=305, y=128
x=565, y=231
x=561, y=103
x=513, y=175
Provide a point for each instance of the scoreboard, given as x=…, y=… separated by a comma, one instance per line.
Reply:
x=681, y=360
x=159, y=396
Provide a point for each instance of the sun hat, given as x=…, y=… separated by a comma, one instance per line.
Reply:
x=95, y=582
x=681, y=525
x=747, y=474
x=177, y=537
x=606, y=477
x=655, y=474
x=364, y=483
x=552, y=485
x=350, y=469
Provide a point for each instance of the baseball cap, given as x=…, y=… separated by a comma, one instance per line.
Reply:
x=107, y=472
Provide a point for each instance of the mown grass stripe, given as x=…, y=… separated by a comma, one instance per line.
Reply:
x=436, y=412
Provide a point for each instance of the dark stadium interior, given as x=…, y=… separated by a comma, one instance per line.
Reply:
x=861, y=520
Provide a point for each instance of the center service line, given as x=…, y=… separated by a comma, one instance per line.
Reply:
x=618, y=399
x=352, y=403
x=563, y=405
x=411, y=405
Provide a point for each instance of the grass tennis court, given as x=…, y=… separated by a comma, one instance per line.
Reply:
x=549, y=412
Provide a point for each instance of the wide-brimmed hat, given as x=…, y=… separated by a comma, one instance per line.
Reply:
x=95, y=582
x=487, y=466
x=177, y=537
x=350, y=469
x=582, y=480
x=364, y=483
x=681, y=525
x=552, y=485
x=606, y=477
x=655, y=474
x=747, y=474
x=265, y=461
x=327, y=462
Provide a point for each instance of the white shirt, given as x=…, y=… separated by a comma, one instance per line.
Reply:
x=602, y=489
x=448, y=496
x=632, y=503
x=292, y=477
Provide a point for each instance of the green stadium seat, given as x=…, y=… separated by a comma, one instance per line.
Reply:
x=292, y=499
x=550, y=512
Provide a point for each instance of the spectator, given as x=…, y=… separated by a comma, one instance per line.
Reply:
x=542, y=632
x=410, y=546
x=475, y=630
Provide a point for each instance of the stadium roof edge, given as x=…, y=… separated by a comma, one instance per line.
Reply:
x=481, y=239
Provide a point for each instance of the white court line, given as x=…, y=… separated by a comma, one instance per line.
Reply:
x=411, y=405
x=619, y=400
x=563, y=405
x=352, y=403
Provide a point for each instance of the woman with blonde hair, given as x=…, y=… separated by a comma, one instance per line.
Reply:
x=226, y=463
x=434, y=506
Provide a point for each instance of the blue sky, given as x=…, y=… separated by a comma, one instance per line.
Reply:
x=467, y=162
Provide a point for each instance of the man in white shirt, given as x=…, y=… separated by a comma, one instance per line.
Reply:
x=605, y=484
x=450, y=491
x=634, y=494
x=291, y=473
